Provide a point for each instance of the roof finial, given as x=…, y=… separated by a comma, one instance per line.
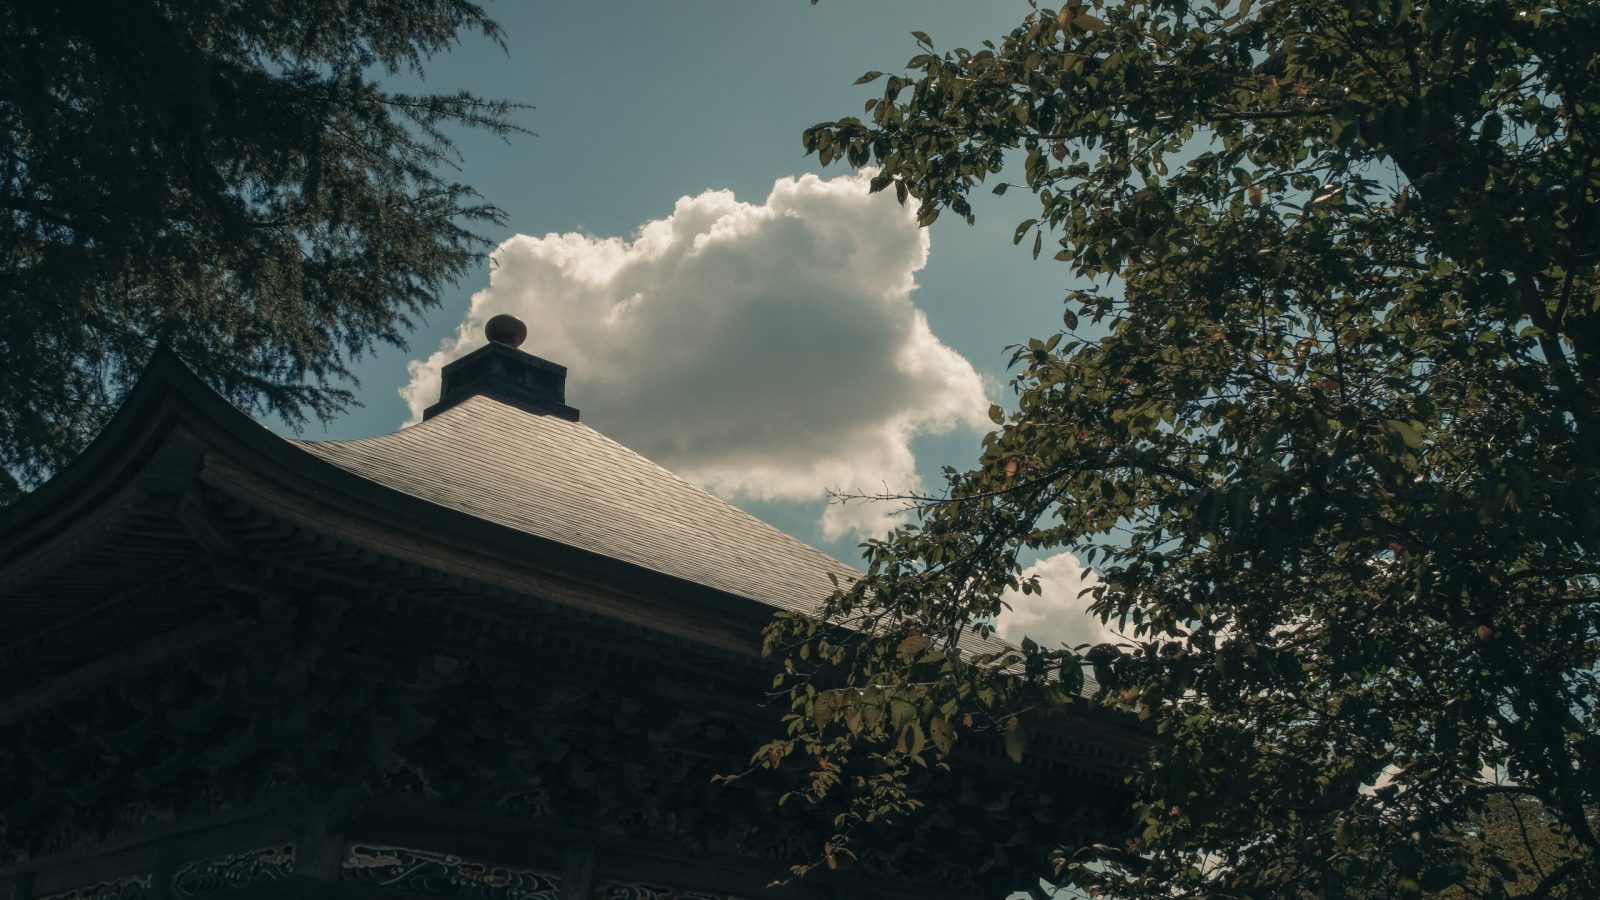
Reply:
x=499, y=370
x=506, y=329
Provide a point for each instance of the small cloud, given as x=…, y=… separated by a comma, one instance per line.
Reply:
x=769, y=351
x=1058, y=614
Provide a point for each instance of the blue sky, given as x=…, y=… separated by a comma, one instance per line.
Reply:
x=638, y=106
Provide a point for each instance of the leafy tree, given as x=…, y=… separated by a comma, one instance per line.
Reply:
x=1513, y=839
x=1325, y=415
x=227, y=177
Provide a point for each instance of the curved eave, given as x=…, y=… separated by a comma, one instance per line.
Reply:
x=151, y=411
x=170, y=411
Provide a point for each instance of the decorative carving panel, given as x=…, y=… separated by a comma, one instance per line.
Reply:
x=615, y=890
x=445, y=874
x=205, y=876
x=131, y=887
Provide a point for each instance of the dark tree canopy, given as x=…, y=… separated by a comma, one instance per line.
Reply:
x=227, y=177
x=1325, y=416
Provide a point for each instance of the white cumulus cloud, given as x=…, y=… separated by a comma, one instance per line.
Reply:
x=1058, y=614
x=769, y=351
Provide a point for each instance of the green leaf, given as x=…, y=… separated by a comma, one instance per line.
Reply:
x=941, y=734
x=1407, y=432
x=1016, y=739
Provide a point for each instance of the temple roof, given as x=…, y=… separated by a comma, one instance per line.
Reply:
x=500, y=488
x=562, y=481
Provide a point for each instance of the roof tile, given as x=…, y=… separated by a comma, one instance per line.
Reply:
x=563, y=481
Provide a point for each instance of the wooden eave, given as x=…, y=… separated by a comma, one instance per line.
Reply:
x=175, y=445
x=184, y=492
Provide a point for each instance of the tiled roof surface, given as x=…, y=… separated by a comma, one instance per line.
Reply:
x=565, y=482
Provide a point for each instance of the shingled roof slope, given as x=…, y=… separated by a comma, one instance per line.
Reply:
x=565, y=482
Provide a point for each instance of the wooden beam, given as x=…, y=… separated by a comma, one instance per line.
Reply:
x=204, y=527
x=577, y=872
x=161, y=871
x=109, y=667
x=21, y=887
x=480, y=554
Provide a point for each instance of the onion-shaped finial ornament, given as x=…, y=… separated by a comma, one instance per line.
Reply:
x=506, y=329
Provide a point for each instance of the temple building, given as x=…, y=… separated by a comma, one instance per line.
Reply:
x=495, y=655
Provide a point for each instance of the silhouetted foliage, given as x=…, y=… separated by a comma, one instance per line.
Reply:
x=1325, y=417
x=227, y=177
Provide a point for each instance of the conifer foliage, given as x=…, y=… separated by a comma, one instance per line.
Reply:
x=225, y=177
